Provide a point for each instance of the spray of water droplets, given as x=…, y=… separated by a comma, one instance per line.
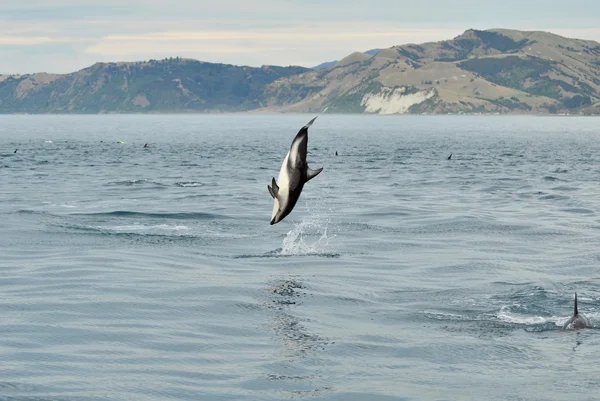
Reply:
x=313, y=235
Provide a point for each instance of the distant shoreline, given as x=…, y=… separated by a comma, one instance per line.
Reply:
x=250, y=113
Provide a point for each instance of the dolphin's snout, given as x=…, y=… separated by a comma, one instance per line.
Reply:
x=275, y=219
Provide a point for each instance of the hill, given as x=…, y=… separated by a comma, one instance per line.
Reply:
x=492, y=71
x=170, y=85
x=329, y=64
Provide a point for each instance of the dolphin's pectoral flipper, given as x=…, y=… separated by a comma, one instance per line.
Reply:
x=310, y=173
x=273, y=189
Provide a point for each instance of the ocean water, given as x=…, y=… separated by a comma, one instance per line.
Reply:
x=153, y=274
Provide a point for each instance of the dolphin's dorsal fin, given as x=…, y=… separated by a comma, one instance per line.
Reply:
x=310, y=173
x=273, y=189
x=575, y=312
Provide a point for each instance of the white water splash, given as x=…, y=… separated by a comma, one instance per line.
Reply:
x=507, y=316
x=311, y=236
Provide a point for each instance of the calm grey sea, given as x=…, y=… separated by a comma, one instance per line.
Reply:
x=153, y=274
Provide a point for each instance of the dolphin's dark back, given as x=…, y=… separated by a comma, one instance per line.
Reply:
x=301, y=139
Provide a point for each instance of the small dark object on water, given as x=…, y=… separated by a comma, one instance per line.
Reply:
x=336, y=153
x=146, y=145
x=450, y=157
x=15, y=151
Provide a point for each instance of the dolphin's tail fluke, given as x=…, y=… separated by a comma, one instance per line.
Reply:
x=575, y=312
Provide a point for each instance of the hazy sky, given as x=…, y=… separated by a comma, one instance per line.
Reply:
x=67, y=35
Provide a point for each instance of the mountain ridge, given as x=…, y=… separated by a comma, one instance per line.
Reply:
x=491, y=71
x=168, y=85
x=479, y=71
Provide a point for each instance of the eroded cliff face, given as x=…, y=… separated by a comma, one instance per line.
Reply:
x=395, y=100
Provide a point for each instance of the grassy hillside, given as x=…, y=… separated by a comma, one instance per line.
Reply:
x=171, y=85
x=493, y=71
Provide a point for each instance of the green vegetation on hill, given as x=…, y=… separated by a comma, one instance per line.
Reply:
x=170, y=85
x=491, y=71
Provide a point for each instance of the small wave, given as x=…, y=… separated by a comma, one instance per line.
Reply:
x=154, y=234
x=506, y=315
x=277, y=253
x=136, y=182
x=28, y=211
x=445, y=316
x=565, y=188
x=579, y=210
x=554, y=197
x=189, y=184
x=141, y=227
x=178, y=216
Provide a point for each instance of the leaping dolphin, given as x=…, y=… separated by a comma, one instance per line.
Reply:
x=293, y=175
x=577, y=321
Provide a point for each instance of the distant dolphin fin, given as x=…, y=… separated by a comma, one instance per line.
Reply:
x=310, y=173
x=273, y=189
x=575, y=312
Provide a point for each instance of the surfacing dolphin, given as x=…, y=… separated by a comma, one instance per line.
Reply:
x=577, y=321
x=293, y=175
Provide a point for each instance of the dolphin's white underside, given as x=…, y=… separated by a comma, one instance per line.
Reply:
x=283, y=182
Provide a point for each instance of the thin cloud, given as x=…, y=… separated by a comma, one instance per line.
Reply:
x=297, y=45
x=37, y=40
x=269, y=35
x=303, y=32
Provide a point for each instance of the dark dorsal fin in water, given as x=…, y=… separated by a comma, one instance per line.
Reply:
x=450, y=157
x=273, y=189
x=575, y=312
x=15, y=151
